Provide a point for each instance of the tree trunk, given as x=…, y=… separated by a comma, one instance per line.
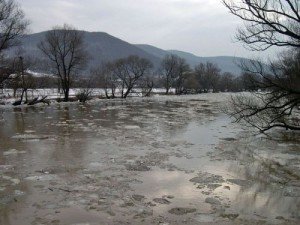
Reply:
x=113, y=93
x=22, y=95
x=26, y=96
x=167, y=90
x=126, y=93
x=67, y=94
x=15, y=92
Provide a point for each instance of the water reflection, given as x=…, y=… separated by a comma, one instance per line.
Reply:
x=272, y=188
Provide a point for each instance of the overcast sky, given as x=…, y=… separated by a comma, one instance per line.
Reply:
x=202, y=27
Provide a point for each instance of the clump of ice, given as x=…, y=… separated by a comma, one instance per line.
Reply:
x=46, y=177
x=19, y=193
x=30, y=137
x=205, y=218
x=15, y=181
x=13, y=152
x=132, y=127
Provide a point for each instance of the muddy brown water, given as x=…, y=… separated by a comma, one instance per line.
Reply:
x=163, y=160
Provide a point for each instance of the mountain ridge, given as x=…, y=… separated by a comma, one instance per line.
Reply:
x=103, y=47
x=226, y=63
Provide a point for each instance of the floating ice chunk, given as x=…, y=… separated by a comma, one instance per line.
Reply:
x=29, y=136
x=29, y=131
x=205, y=218
x=6, y=167
x=212, y=201
x=13, y=152
x=19, y=193
x=15, y=181
x=131, y=127
x=46, y=177
x=95, y=166
x=81, y=224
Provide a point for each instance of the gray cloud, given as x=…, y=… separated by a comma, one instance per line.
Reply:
x=202, y=27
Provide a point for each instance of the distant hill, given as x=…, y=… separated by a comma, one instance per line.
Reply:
x=103, y=47
x=225, y=63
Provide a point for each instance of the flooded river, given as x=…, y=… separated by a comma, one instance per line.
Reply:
x=161, y=160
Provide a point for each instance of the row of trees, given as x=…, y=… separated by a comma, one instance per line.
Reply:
x=205, y=77
x=129, y=74
x=121, y=77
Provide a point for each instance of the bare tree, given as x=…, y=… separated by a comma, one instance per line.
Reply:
x=191, y=84
x=181, y=73
x=106, y=79
x=213, y=71
x=64, y=47
x=115, y=77
x=278, y=105
x=147, y=85
x=250, y=81
x=168, y=70
x=12, y=25
x=129, y=72
x=173, y=70
x=86, y=90
x=208, y=76
x=22, y=79
x=267, y=24
x=226, y=82
x=5, y=74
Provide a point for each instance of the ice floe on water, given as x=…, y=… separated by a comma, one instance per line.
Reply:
x=31, y=137
x=159, y=160
x=14, y=181
x=13, y=152
x=132, y=127
x=46, y=177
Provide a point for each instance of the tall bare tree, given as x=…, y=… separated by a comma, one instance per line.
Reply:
x=226, y=82
x=106, y=79
x=24, y=79
x=278, y=104
x=12, y=25
x=181, y=73
x=147, y=85
x=173, y=70
x=168, y=69
x=64, y=47
x=130, y=71
x=208, y=75
x=267, y=24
